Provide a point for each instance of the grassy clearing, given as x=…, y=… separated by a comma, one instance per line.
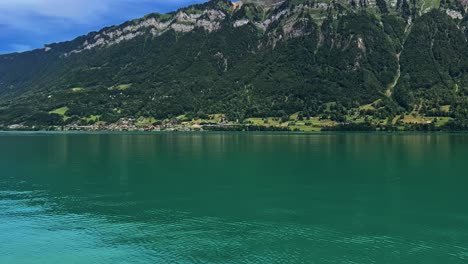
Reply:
x=93, y=118
x=416, y=119
x=294, y=116
x=443, y=120
x=120, y=87
x=60, y=111
x=123, y=86
x=313, y=124
x=323, y=122
x=306, y=128
x=445, y=108
x=215, y=118
x=367, y=107
x=268, y=122
x=77, y=89
x=370, y=106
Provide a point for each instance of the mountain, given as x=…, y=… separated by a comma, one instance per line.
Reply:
x=395, y=63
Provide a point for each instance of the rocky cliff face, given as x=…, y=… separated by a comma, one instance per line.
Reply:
x=188, y=20
x=211, y=17
x=182, y=22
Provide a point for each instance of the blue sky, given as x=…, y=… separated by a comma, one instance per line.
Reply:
x=29, y=24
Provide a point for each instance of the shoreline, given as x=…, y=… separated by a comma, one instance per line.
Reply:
x=113, y=132
x=346, y=128
x=250, y=125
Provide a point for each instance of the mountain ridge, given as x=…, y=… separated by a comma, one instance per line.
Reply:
x=248, y=60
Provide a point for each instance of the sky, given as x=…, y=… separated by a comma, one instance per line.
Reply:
x=30, y=24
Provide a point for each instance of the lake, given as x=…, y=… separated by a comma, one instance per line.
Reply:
x=233, y=198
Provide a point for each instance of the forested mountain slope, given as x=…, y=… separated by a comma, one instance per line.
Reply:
x=342, y=61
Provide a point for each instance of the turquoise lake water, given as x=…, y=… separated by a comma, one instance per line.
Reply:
x=233, y=198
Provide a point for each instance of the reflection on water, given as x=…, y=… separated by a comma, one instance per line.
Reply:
x=233, y=198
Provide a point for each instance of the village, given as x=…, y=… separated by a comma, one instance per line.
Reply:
x=131, y=124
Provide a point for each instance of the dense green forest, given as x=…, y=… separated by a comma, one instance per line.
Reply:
x=338, y=62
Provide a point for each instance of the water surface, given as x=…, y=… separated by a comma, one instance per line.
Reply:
x=233, y=198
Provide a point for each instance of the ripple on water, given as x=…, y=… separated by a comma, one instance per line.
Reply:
x=168, y=235
x=283, y=200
